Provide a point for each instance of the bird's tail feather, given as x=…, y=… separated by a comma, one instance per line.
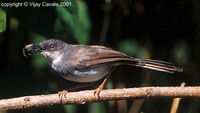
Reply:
x=158, y=65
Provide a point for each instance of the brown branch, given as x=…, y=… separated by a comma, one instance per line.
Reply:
x=83, y=97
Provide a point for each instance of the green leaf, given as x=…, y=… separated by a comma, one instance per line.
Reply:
x=2, y=20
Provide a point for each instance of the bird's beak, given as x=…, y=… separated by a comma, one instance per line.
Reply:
x=31, y=49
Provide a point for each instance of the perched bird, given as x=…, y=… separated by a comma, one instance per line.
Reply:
x=81, y=63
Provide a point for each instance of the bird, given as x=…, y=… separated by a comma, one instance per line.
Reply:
x=90, y=63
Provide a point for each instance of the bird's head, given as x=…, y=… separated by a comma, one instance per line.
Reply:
x=51, y=49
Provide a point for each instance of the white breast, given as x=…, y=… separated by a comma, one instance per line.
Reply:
x=88, y=75
x=57, y=58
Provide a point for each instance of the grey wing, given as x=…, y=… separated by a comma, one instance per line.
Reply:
x=91, y=56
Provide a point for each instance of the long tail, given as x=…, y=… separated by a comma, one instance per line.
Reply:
x=157, y=65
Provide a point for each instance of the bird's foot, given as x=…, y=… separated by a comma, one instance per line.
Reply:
x=97, y=91
x=62, y=94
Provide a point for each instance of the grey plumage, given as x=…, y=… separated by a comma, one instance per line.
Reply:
x=83, y=63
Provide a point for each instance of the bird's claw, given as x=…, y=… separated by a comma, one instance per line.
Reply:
x=62, y=94
x=97, y=92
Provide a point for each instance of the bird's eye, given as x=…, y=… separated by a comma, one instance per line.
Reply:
x=52, y=47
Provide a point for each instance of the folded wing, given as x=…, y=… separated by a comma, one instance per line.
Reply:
x=91, y=56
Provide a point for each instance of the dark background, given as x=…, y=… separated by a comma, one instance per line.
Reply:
x=157, y=29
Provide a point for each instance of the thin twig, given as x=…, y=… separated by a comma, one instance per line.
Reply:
x=83, y=97
x=176, y=102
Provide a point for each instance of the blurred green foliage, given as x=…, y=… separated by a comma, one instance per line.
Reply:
x=74, y=20
x=70, y=108
x=163, y=30
x=97, y=108
x=38, y=61
x=131, y=47
x=2, y=20
x=182, y=53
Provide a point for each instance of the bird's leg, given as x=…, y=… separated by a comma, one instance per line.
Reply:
x=100, y=88
x=64, y=92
